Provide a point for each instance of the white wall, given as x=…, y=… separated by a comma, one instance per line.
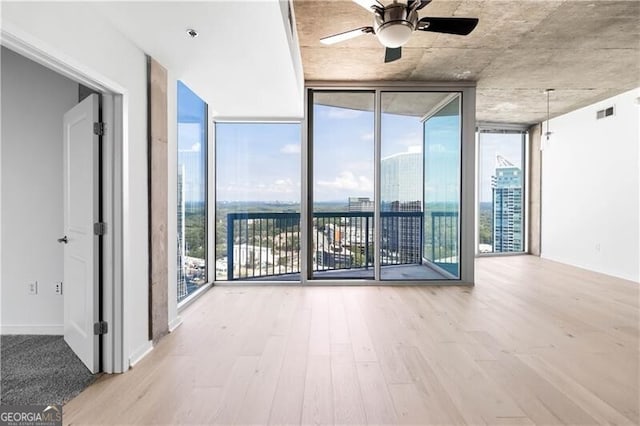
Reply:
x=34, y=101
x=72, y=32
x=590, y=188
x=228, y=81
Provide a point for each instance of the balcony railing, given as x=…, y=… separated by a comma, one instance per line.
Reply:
x=268, y=244
x=444, y=241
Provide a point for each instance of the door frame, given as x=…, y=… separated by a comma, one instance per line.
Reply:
x=114, y=101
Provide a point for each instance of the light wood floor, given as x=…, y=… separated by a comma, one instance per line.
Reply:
x=534, y=342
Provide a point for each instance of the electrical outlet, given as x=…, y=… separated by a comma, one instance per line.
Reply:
x=32, y=287
x=58, y=287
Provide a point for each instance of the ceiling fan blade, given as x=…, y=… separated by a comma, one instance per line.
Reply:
x=392, y=54
x=422, y=4
x=460, y=26
x=336, y=38
x=370, y=5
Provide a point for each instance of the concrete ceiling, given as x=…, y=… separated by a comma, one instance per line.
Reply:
x=245, y=56
x=405, y=103
x=585, y=50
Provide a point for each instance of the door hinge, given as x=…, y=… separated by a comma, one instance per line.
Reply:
x=98, y=129
x=99, y=228
x=100, y=327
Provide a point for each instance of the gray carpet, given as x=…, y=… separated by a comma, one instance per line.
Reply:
x=40, y=370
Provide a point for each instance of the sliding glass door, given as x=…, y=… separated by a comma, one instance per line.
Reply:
x=420, y=185
x=418, y=167
x=342, y=226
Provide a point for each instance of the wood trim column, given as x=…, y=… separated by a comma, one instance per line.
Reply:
x=158, y=200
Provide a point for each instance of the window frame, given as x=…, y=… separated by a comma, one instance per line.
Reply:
x=504, y=128
x=468, y=173
x=188, y=299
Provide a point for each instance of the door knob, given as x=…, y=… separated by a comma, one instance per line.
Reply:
x=63, y=240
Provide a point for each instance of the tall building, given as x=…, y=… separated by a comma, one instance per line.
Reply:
x=507, y=207
x=360, y=204
x=182, y=252
x=401, y=177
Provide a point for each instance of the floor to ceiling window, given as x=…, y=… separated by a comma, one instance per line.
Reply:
x=342, y=228
x=373, y=191
x=192, y=192
x=501, y=179
x=257, y=225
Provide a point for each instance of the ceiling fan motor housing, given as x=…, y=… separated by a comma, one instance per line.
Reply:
x=394, y=24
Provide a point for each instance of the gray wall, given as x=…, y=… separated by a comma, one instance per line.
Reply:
x=158, y=218
x=34, y=100
x=534, y=188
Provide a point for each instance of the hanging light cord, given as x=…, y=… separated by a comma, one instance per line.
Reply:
x=548, y=134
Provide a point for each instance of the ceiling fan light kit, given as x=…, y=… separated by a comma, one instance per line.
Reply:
x=394, y=23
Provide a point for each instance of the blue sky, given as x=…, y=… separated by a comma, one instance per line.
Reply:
x=192, y=125
x=258, y=162
x=343, y=153
x=509, y=145
x=261, y=161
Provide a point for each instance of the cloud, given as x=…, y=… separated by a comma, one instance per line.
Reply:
x=347, y=180
x=368, y=136
x=363, y=167
x=284, y=186
x=290, y=148
x=343, y=113
x=195, y=147
x=408, y=139
x=276, y=190
x=278, y=186
x=189, y=137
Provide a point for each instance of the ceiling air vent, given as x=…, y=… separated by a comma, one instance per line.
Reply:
x=603, y=113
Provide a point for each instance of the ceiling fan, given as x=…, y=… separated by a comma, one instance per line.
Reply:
x=394, y=23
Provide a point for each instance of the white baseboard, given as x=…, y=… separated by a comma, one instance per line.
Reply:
x=32, y=329
x=175, y=323
x=140, y=353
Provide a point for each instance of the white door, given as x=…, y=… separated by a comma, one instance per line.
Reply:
x=81, y=250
